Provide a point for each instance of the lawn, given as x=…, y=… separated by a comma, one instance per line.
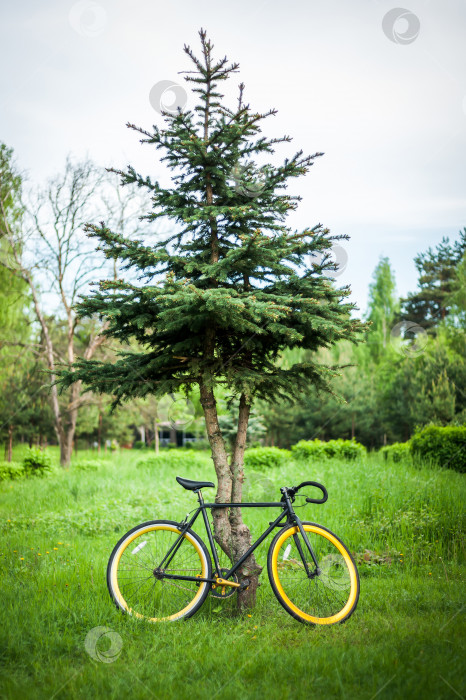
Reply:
x=403, y=523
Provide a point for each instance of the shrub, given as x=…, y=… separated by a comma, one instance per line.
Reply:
x=88, y=465
x=307, y=449
x=198, y=445
x=36, y=462
x=444, y=446
x=179, y=459
x=315, y=449
x=349, y=449
x=11, y=470
x=398, y=452
x=265, y=457
x=138, y=445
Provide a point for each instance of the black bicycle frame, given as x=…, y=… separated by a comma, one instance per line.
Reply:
x=287, y=511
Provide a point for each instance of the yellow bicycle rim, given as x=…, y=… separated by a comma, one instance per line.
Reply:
x=353, y=577
x=116, y=561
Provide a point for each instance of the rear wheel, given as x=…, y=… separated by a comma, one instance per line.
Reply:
x=329, y=596
x=137, y=584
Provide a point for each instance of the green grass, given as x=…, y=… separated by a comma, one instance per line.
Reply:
x=404, y=640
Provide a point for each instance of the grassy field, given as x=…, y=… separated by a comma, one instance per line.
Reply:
x=404, y=640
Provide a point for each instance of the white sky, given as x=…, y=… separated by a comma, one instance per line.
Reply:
x=391, y=118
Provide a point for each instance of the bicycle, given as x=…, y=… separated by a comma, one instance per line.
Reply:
x=168, y=574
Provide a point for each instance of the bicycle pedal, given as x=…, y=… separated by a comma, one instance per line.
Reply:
x=244, y=584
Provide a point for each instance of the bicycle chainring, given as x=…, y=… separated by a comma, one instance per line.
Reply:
x=219, y=591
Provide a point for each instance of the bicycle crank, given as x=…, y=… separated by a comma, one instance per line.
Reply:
x=223, y=588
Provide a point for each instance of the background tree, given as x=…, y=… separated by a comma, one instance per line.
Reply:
x=52, y=256
x=437, y=269
x=382, y=308
x=228, y=292
x=15, y=325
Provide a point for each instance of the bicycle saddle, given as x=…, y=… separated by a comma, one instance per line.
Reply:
x=193, y=485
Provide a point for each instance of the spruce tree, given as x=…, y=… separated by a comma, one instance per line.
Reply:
x=219, y=300
x=437, y=270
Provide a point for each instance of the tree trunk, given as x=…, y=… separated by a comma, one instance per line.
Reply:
x=156, y=435
x=142, y=433
x=9, y=451
x=173, y=435
x=66, y=447
x=69, y=429
x=241, y=535
x=99, y=433
x=222, y=527
x=230, y=532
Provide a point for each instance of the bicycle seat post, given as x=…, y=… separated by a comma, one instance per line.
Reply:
x=199, y=496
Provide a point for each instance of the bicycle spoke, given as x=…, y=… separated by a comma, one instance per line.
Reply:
x=143, y=592
x=324, y=595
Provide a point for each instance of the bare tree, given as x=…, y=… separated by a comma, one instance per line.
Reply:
x=53, y=255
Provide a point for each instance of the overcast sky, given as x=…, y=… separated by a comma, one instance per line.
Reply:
x=385, y=101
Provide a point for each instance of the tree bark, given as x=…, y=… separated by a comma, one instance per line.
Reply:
x=156, y=433
x=99, y=432
x=230, y=532
x=222, y=527
x=241, y=535
x=9, y=450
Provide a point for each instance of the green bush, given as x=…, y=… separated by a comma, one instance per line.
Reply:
x=265, y=457
x=36, y=462
x=316, y=449
x=11, y=470
x=398, y=452
x=89, y=465
x=445, y=446
x=138, y=445
x=179, y=459
x=307, y=449
x=198, y=445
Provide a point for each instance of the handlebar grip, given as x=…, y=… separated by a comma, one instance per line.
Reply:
x=319, y=486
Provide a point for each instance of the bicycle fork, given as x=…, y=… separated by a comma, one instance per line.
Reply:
x=293, y=517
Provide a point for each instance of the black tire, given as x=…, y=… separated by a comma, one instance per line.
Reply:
x=328, y=598
x=138, y=581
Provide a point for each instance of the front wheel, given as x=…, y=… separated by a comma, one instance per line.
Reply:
x=135, y=572
x=331, y=593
